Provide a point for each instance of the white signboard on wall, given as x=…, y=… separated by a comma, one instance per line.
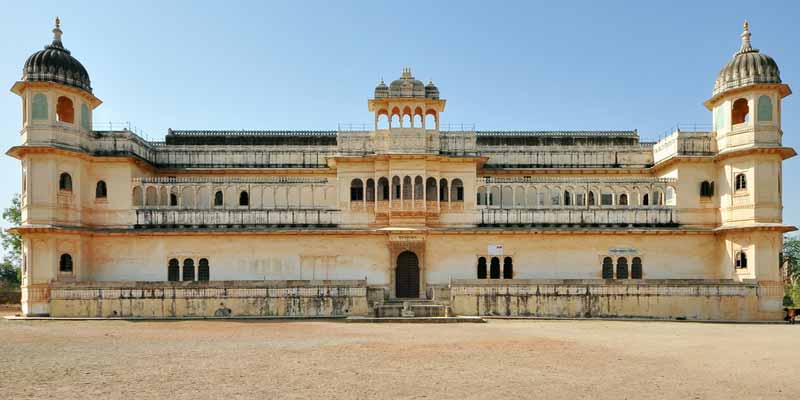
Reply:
x=495, y=250
x=622, y=251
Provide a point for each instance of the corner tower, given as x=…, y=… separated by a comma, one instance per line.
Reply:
x=57, y=106
x=746, y=107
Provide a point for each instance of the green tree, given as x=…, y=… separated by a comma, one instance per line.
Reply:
x=791, y=253
x=10, y=267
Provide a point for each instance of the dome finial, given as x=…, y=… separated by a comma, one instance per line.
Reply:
x=57, y=32
x=746, y=47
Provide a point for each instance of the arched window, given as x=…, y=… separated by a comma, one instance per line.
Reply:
x=136, y=196
x=636, y=268
x=218, y=199
x=580, y=199
x=430, y=119
x=407, y=188
x=244, y=198
x=383, y=120
x=482, y=268
x=39, y=111
x=567, y=198
x=173, y=199
x=457, y=190
x=623, y=199
x=494, y=270
x=396, y=188
x=622, y=268
x=383, y=189
x=740, y=182
x=443, y=189
x=173, y=270
x=430, y=189
x=706, y=189
x=764, y=108
x=369, y=192
x=203, y=272
x=608, y=268
x=356, y=190
x=555, y=198
x=65, y=182
x=741, y=259
x=100, y=191
x=151, y=196
x=64, y=110
x=669, y=196
x=646, y=199
x=482, y=196
x=418, y=188
x=495, y=196
x=591, y=199
x=65, y=264
x=658, y=199
x=508, y=268
x=188, y=269
x=740, y=112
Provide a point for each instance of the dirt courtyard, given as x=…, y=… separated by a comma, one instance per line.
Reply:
x=318, y=359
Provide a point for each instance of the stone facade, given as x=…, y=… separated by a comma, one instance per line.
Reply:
x=345, y=222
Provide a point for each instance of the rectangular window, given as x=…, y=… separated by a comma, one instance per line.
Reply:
x=540, y=199
x=579, y=199
x=555, y=198
x=606, y=199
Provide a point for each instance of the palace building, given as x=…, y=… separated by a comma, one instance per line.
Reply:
x=404, y=217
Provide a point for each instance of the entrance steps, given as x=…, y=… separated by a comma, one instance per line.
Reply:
x=411, y=308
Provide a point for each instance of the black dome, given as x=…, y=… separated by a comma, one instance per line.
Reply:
x=747, y=67
x=56, y=64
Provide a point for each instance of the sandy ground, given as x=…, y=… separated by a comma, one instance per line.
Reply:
x=318, y=359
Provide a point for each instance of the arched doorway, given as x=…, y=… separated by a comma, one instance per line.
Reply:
x=407, y=275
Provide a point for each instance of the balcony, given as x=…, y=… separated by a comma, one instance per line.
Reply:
x=246, y=218
x=605, y=217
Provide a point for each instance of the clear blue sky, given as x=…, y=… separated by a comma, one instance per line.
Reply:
x=303, y=65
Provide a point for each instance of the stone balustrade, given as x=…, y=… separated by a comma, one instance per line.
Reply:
x=151, y=218
x=684, y=144
x=628, y=216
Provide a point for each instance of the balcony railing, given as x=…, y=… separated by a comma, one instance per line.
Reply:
x=154, y=218
x=617, y=216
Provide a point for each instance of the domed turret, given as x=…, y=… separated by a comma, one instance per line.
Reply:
x=381, y=91
x=406, y=86
x=431, y=91
x=747, y=67
x=55, y=64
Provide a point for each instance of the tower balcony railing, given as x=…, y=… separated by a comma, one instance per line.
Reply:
x=247, y=218
x=602, y=217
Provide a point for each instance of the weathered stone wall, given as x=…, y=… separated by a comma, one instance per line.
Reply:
x=209, y=299
x=701, y=300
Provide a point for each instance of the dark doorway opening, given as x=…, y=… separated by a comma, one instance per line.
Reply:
x=407, y=275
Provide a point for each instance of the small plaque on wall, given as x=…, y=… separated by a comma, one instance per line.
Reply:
x=495, y=250
x=622, y=251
